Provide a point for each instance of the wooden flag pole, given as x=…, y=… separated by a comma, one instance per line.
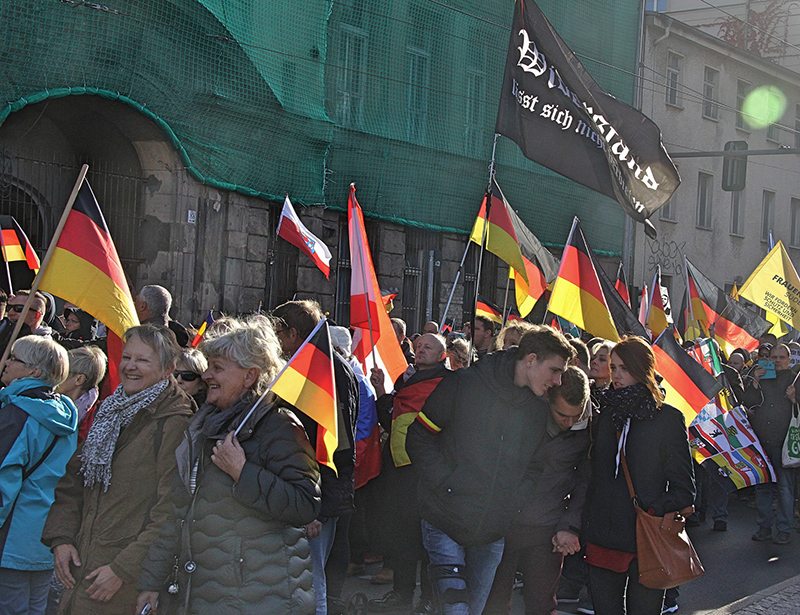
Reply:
x=37, y=280
x=483, y=249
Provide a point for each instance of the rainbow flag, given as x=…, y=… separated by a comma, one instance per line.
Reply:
x=307, y=382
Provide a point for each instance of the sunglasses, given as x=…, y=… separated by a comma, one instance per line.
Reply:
x=18, y=309
x=186, y=376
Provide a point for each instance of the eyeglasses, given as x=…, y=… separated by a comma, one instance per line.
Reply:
x=16, y=360
x=186, y=376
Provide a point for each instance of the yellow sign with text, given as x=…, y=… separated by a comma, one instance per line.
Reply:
x=775, y=286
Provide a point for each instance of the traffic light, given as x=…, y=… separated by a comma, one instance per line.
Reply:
x=734, y=168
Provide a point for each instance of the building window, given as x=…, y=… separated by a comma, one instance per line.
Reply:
x=421, y=280
x=674, y=62
x=710, y=91
x=350, y=78
x=767, y=214
x=737, y=213
x=659, y=6
x=773, y=130
x=797, y=125
x=418, y=89
x=742, y=89
x=705, y=186
x=795, y=239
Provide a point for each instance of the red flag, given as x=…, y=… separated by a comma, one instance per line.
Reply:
x=374, y=340
x=307, y=382
x=622, y=285
x=295, y=232
x=85, y=251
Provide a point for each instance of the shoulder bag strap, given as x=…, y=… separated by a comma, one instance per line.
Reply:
x=624, y=463
x=36, y=465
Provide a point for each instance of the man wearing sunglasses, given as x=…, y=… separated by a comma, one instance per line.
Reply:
x=35, y=316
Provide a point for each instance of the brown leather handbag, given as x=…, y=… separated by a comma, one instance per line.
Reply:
x=665, y=553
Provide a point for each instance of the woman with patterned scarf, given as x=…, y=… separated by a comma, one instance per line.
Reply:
x=652, y=435
x=111, y=503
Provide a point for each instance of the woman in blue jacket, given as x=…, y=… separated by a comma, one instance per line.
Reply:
x=38, y=434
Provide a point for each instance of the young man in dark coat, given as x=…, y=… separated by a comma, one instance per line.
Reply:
x=472, y=444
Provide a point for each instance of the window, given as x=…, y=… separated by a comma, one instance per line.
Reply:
x=421, y=280
x=705, y=185
x=350, y=78
x=656, y=5
x=710, y=90
x=774, y=106
x=767, y=214
x=797, y=126
x=666, y=211
x=418, y=81
x=742, y=89
x=795, y=238
x=737, y=213
x=674, y=62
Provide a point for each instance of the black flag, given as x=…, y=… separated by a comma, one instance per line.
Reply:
x=561, y=118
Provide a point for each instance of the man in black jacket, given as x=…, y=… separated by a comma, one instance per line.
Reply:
x=295, y=320
x=472, y=444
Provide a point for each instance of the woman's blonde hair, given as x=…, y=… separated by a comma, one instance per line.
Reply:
x=44, y=354
x=251, y=343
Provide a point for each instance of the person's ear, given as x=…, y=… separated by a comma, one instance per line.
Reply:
x=529, y=359
x=250, y=378
x=80, y=380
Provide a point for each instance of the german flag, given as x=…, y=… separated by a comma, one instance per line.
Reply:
x=733, y=325
x=577, y=294
x=23, y=263
x=624, y=319
x=690, y=328
x=621, y=285
x=202, y=330
x=307, y=383
x=484, y=307
x=532, y=267
x=85, y=270
x=657, y=319
x=687, y=384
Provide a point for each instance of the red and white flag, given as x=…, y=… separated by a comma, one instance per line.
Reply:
x=374, y=340
x=643, y=307
x=295, y=232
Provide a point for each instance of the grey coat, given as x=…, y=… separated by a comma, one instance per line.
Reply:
x=246, y=540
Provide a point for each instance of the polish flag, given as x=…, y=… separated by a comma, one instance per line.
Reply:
x=374, y=341
x=293, y=231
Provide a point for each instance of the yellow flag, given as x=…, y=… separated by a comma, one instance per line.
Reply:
x=775, y=286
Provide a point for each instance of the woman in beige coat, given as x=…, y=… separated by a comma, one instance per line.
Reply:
x=114, y=497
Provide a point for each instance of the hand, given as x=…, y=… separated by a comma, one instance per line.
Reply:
x=64, y=555
x=566, y=542
x=228, y=456
x=791, y=393
x=313, y=529
x=145, y=598
x=377, y=378
x=758, y=372
x=105, y=584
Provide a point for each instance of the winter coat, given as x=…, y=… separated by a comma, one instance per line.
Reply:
x=38, y=434
x=117, y=527
x=246, y=539
x=471, y=445
x=661, y=470
x=769, y=410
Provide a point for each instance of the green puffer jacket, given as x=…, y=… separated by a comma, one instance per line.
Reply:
x=246, y=540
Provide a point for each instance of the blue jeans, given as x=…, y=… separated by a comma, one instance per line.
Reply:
x=783, y=489
x=24, y=592
x=320, y=550
x=472, y=569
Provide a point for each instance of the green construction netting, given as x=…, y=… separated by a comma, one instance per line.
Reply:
x=273, y=96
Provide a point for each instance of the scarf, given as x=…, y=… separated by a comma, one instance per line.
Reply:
x=114, y=414
x=633, y=402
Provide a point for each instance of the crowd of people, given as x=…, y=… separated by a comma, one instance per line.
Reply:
x=191, y=488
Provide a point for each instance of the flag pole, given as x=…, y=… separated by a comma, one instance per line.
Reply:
x=5, y=260
x=280, y=373
x=505, y=297
x=483, y=249
x=453, y=288
x=366, y=294
x=45, y=261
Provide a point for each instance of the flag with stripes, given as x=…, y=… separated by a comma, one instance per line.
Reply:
x=687, y=384
x=203, y=328
x=85, y=253
x=484, y=307
x=295, y=232
x=577, y=293
x=624, y=319
x=658, y=311
x=622, y=285
x=19, y=255
x=307, y=382
x=732, y=324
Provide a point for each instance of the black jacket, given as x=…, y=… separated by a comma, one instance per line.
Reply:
x=661, y=469
x=769, y=410
x=472, y=471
